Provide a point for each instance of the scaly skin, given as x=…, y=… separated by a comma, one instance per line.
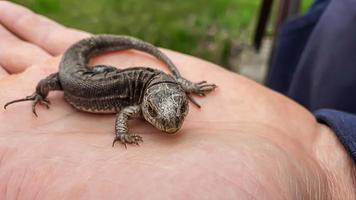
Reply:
x=135, y=92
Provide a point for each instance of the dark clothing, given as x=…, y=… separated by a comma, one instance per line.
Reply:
x=343, y=124
x=315, y=64
x=290, y=44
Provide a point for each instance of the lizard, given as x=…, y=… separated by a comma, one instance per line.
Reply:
x=136, y=92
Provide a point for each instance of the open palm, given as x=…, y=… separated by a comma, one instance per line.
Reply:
x=245, y=142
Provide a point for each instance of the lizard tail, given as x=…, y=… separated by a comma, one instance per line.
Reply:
x=86, y=48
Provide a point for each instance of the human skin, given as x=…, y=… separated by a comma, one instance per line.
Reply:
x=246, y=142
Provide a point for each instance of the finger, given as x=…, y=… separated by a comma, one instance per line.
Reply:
x=16, y=54
x=3, y=72
x=47, y=34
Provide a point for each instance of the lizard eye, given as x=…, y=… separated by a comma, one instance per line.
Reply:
x=152, y=111
x=183, y=109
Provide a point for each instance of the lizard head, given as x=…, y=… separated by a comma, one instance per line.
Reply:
x=165, y=106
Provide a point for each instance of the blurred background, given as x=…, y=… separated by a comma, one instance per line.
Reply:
x=219, y=31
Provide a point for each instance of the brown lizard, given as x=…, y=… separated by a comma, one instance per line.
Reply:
x=159, y=98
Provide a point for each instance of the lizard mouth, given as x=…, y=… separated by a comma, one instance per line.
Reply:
x=171, y=130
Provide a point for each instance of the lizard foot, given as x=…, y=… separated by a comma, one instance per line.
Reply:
x=36, y=98
x=126, y=138
x=200, y=88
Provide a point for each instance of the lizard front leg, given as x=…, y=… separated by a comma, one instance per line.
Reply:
x=46, y=85
x=121, y=127
x=200, y=88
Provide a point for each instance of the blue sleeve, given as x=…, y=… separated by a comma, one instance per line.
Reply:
x=344, y=126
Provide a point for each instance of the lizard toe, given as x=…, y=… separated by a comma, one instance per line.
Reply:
x=126, y=138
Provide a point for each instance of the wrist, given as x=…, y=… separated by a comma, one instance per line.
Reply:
x=338, y=166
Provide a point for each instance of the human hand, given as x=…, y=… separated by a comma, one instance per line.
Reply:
x=246, y=142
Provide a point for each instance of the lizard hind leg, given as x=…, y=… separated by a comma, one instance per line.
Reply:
x=36, y=98
x=100, y=69
x=50, y=83
x=103, y=69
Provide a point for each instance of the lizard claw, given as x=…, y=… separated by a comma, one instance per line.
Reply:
x=126, y=138
x=200, y=89
x=35, y=97
x=203, y=87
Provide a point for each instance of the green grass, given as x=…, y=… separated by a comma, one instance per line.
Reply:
x=306, y=4
x=201, y=28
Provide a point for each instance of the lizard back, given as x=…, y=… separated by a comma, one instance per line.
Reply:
x=108, y=95
x=106, y=91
